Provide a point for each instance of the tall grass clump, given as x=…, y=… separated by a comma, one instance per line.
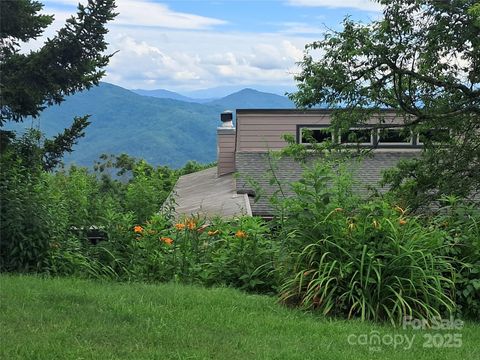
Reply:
x=360, y=258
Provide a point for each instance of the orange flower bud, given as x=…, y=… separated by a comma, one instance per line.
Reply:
x=351, y=225
x=167, y=240
x=191, y=224
x=241, y=234
x=399, y=209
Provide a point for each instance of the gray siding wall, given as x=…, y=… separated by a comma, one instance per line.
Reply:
x=254, y=165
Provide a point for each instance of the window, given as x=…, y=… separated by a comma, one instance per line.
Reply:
x=357, y=136
x=318, y=135
x=371, y=136
x=433, y=135
x=394, y=136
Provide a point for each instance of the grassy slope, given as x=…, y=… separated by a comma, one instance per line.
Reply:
x=75, y=319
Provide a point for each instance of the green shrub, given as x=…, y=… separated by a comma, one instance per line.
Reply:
x=170, y=252
x=238, y=253
x=147, y=190
x=461, y=224
x=243, y=255
x=363, y=259
x=30, y=220
x=81, y=196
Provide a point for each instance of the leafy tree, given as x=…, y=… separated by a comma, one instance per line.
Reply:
x=69, y=62
x=422, y=59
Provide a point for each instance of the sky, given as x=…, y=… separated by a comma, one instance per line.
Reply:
x=188, y=45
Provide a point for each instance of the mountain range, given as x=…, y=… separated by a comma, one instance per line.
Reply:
x=164, y=128
x=205, y=95
x=166, y=94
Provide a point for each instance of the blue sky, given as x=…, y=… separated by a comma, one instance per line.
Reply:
x=187, y=45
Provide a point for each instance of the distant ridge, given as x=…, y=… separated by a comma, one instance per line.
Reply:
x=225, y=90
x=164, y=131
x=167, y=94
x=250, y=98
x=214, y=93
x=163, y=94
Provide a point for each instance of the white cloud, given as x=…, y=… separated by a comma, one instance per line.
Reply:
x=139, y=64
x=204, y=59
x=271, y=57
x=146, y=13
x=64, y=2
x=301, y=28
x=157, y=48
x=292, y=51
x=366, y=5
x=227, y=58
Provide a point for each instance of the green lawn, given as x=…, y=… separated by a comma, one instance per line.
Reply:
x=76, y=319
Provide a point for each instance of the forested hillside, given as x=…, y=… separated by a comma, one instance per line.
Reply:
x=162, y=131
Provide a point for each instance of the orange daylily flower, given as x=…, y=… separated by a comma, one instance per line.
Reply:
x=179, y=226
x=212, y=233
x=167, y=240
x=191, y=224
x=138, y=229
x=241, y=234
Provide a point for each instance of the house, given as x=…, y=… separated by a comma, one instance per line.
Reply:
x=243, y=157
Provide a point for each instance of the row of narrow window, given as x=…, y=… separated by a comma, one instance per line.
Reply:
x=373, y=137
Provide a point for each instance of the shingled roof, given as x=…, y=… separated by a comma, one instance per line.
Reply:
x=206, y=194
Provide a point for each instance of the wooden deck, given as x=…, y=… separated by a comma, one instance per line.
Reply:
x=203, y=193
